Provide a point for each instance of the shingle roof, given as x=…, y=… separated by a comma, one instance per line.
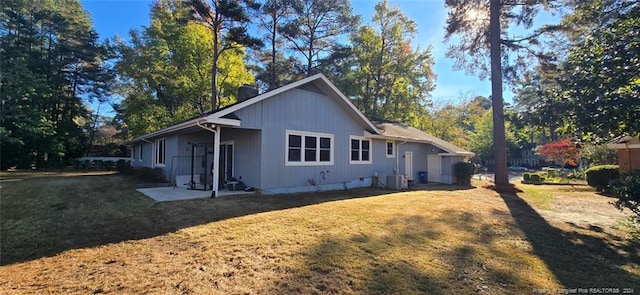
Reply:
x=405, y=132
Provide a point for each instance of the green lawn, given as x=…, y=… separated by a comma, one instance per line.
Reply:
x=87, y=233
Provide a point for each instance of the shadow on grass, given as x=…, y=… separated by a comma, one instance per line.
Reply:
x=412, y=254
x=46, y=214
x=576, y=260
x=461, y=252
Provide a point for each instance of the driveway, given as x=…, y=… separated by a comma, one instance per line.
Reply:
x=513, y=176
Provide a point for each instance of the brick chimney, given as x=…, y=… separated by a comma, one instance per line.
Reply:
x=246, y=91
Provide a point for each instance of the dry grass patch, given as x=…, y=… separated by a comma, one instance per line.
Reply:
x=95, y=234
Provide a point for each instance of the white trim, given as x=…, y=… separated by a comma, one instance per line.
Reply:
x=361, y=139
x=223, y=121
x=393, y=149
x=156, y=145
x=140, y=152
x=406, y=167
x=302, y=148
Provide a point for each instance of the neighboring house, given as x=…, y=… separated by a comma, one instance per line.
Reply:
x=628, y=152
x=528, y=156
x=301, y=137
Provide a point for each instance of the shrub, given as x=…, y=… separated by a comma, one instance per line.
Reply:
x=146, y=174
x=576, y=175
x=627, y=189
x=124, y=167
x=108, y=165
x=600, y=176
x=537, y=178
x=463, y=172
x=552, y=173
x=526, y=176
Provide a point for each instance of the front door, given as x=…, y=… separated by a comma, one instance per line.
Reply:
x=408, y=165
x=225, y=169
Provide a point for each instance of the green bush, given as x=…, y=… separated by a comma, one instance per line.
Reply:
x=552, y=173
x=526, y=176
x=463, y=172
x=627, y=189
x=577, y=175
x=146, y=174
x=600, y=176
x=537, y=178
x=124, y=167
x=108, y=165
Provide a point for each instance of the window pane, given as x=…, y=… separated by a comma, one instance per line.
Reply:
x=355, y=144
x=365, y=145
x=325, y=143
x=389, y=148
x=325, y=155
x=295, y=141
x=310, y=141
x=365, y=155
x=355, y=155
x=294, y=155
x=309, y=155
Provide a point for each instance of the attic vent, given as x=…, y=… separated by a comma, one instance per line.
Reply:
x=246, y=91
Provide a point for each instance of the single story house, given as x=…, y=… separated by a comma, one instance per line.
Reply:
x=304, y=136
x=628, y=152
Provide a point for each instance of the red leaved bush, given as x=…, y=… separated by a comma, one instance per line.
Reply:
x=562, y=152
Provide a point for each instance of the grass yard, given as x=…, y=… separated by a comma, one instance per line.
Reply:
x=93, y=233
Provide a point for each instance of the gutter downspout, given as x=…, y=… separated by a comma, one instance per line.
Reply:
x=216, y=157
x=398, y=156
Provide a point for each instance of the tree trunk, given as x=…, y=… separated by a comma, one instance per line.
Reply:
x=214, y=71
x=499, y=140
x=272, y=74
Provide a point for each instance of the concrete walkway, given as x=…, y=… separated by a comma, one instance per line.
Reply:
x=165, y=194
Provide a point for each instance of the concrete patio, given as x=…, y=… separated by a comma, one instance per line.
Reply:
x=167, y=194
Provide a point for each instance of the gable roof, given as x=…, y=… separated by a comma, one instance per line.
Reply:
x=379, y=128
x=225, y=117
x=319, y=80
x=400, y=131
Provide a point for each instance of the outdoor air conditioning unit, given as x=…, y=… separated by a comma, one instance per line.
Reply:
x=396, y=182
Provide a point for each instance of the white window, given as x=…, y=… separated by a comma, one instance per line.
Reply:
x=160, y=152
x=308, y=148
x=360, y=149
x=391, y=149
x=140, y=153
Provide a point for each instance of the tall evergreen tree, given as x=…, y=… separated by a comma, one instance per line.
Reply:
x=227, y=21
x=481, y=30
x=51, y=58
x=271, y=16
x=166, y=71
x=391, y=80
x=316, y=27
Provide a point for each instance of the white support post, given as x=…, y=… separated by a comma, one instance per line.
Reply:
x=216, y=161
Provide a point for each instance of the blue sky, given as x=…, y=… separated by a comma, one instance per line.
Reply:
x=117, y=17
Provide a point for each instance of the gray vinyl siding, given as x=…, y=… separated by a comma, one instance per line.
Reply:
x=419, y=151
x=147, y=155
x=447, y=168
x=170, y=149
x=246, y=149
x=300, y=110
